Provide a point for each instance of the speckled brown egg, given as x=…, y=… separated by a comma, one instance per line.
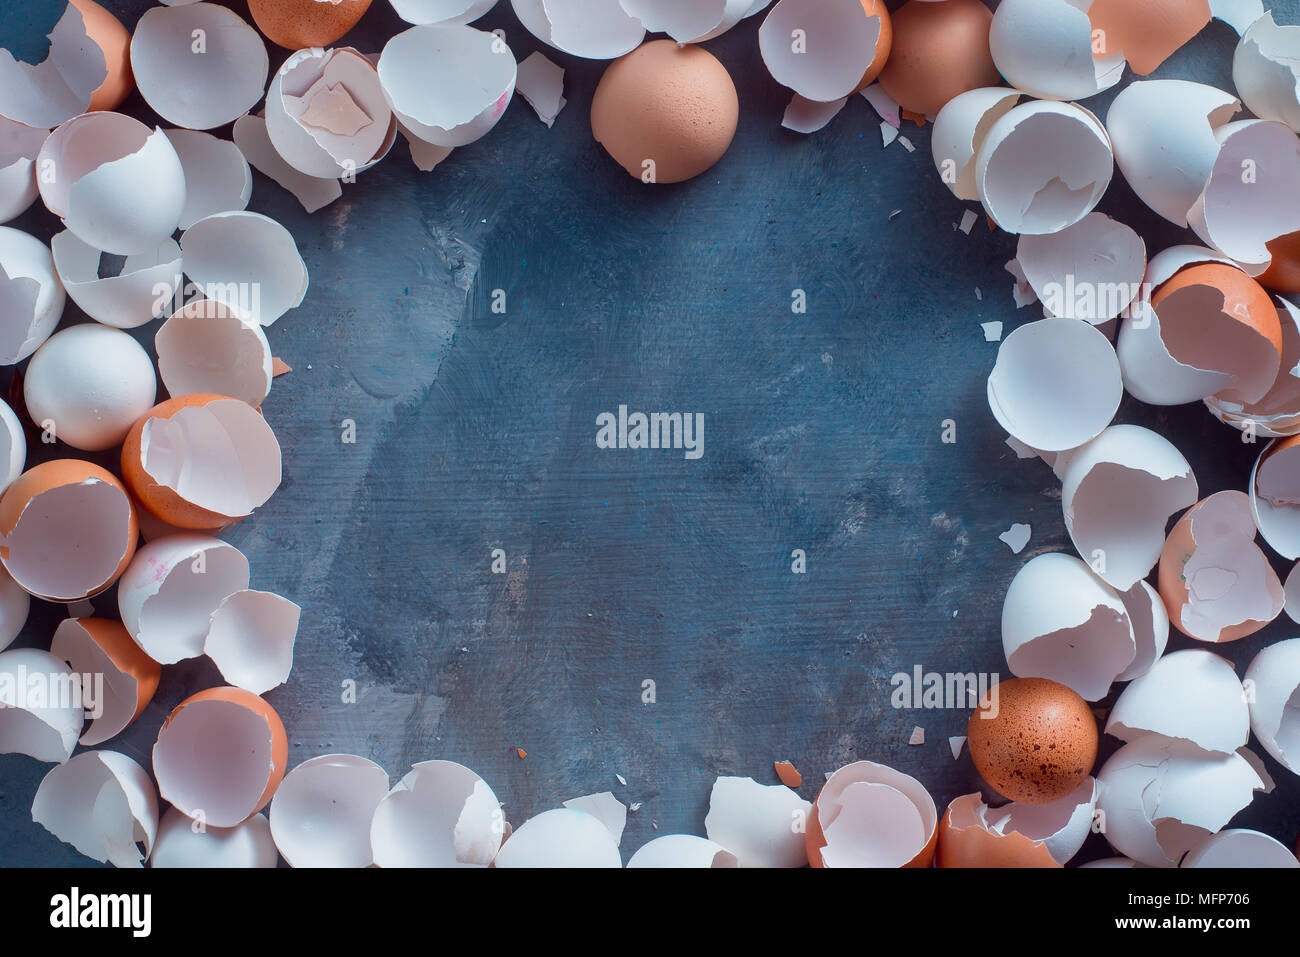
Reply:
x=299, y=24
x=1033, y=740
x=110, y=36
x=665, y=112
x=939, y=51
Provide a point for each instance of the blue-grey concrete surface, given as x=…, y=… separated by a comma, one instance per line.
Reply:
x=476, y=431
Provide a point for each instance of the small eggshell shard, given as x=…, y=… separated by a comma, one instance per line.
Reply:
x=251, y=641
x=209, y=347
x=1043, y=166
x=1239, y=847
x=1275, y=496
x=299, y=24
x=1150, y=621
x=825, y=49
x=88, y=384
x=181, y=842
x=1161, y=799
x=1192, y=696
x=169, y=592
x=67, y=530
x=541, y=83
x=1090, y=271
x=592, y=29
x=440, y=814
x=1118, y=493
x=217, y=177
x=1056, y=384
x=198, y=66
x=425, y=12
x=1216, y=583
x=247, y=261
x=255, y=143
x=20, y=144
x=606, y=808
x=220, y=755
x=939, y=51
x=754, y=822
x=1266, y=71
x=103, y=804
x=808, y=116
x=320, y=815
x=123, y=301
x=31, y=296
x=60, y=86
x=118, y=185
x=682, y=850
x=41, y=705
x=14, y=607
x=869, y=815
x=1273, y=683
x=201, y=461
x=959, y=132
x=1045, y=48
x=686, y=21
x=102, y=647
x=1016, y=835
x=472, y=72
x=562, y=837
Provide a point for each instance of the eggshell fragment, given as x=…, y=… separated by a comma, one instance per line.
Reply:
x=1118, y=493
x=1145, y=34
x=755, y=822
x=1277, y=414
x=606, y=808
x=126, y=300
x=60, y=86
x=1045, y=47
x=1161, y=799
x=1150, y=621
x=1273, y=683
x=1192, y=696
x=808, y=116
x=41, y=705
x=825, y=49
x=19, y=146
x=169, y=592
x=1238, y=14
x=1239, y=847
x=103, y=804
x=14, y=607
x=220, y=756
x=217, y=177
x=101, y=646
x=939, y=51
x=959, y=131
x=1091, y=271
x=254, y=142
x=247, y=261
x=320, y=815
x=869, y=815
x=440, y=814
x=198, y=66
x=210, y=347
x=1275, y=496
x=682, y=850
x=67, y=530
x=560, y=838
x=251, y=641
x=299, y=24
x=686, y=21
x=1266, y=71
x=88, y=384
x=541, y=83
x=594, y=29
x=1016, y=835
x=31, y=296
x=1056, y=384
x=182, y=842
x=1216, y=583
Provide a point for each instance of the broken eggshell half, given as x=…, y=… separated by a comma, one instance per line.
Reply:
x=44, y=727
x=181, y=842
x=592, y=29
x=1091, y=271
x=1045, y=47
x=682, y=850
x=870, y=815
x=255, y=143
x=212, y=348
x=251, y=638
x=126, y=300
x=686, y=21
x=62, y=85
x=1273, y=680
x=1192, y=696
x=103, y=804
x=1275, y=495
x=20, y=144
x=217, y=177
x=1240, y=847
x=562, y=837
x=959, y=131
x=247, y=261
x=1150, y=621
x=15, y=605
x=838, y=46
x=1016, y=835
x=320, y=815
x=753, y=821
x=440, y=814
x=31, y=296
x=101, y=646
x=1266, y=71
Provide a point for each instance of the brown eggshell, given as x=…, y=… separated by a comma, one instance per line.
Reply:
x=1244, y=299
x=110, y=36
x=884, y=44
x=1148, y=32
x=1039, y=745
x=1283, y=274
x=675, y=105
x=815, y=836
x=125, y=655
x=975, y=846
x=300, y=24
x=939, y=50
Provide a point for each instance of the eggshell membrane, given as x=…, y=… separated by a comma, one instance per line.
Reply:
x=1044, y=47
x=1016, y=835
x=753, y=821
x=46, y=733
x=251, y=640
x=560, y=838
x=1039, y=743
x=107, y=33
x=1148, y=33
x=14, y=607
x=19, y=146
x=65, y=529
x=940, y=50
x=60, y=86
x=103, y=804
x=126, y=300
x=163, y=499
x=228, y=744
x=1191, y=695
x=31, y=296
x=681, y=850
x=847, y=44
x=882, y=809
x=673, y=105
x=440, y=814
x=248, y=844
x=1273, y=677
x=960, y=129
x=299, y=24
x=320, y=815
x=1274, y=492
x=209, y=348
x=103, y=646
x=1238, y=847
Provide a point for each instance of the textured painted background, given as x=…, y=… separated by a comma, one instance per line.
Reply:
x=477, y=431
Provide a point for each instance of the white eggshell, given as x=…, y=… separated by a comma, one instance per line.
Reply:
x=1150, y=621
x=19, y=146
x=1192, y=695
x=251, y=640
x=840, y=44
x=185, y=843
x=1090, y=271
x=606, y=808
x=115, y=700
x=594, y=29
x=1274, y=491
x=14, y=607
x=756, y=822
x=1266, y=70
x=211, y=348
x=253, y=140
x=246, y=261
x=60, y=86
x=103, y=804
x=1045, y=47
x=441, y=814
x=13, y=449
x=147, y=281
x=688, y=21
x=959, y=131
x=1238, y=847
x=43, y=726
x=422, y=12
x=560, y=838
x=1273, y=680
x=31, y=296
x=320, y=815
x=873, y=816
x=682, y=850
x=217, y=177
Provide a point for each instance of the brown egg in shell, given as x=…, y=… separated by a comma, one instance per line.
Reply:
x=300, y=24
x=940, y=50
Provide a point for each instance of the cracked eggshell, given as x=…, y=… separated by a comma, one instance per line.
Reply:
x=1150, y=621
x=592, y=29
x=299, y=24
x=562, y=837
x=123, y=301
x=753, y=821
x=682, y=850
x=217, y=177
x=1277, y=414
x=220, y=755
x=472, y=71
x=67, y=530
x=169, y=592
x=247, y=261
x=19, y=146
x=1275, y=496
x=1045, y=47
x=1216, y=583
x=1061, y=622
x=1266, y=70
x=47, y=729
x=13, y=447
x=101, y=646
x=606, y=808
x=208, y=347
x=31, y=296
x=118, y=185
x=320, y=815
x=88, y=385
x=686, y=21
x=440, y=814
x=1239, y=847
x=1017, y=835
x=940, y=50
x=60, y=86
x=14, y=607
x=1043, y=166
x=255, y=143
x=1118, y=493
x=1145, y=34
x=1273, y=680
x=846, y=45
x=106, y=32
x=181, y=844
x=1193, y=696
x=251, y=640
x=959, y=132
x=869, y=815
x=1056, y=384
x=198, y=66
x=1161, y=799
x=103, y=804
x=201, y=461
x=427, y=12
x=1091, y=270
